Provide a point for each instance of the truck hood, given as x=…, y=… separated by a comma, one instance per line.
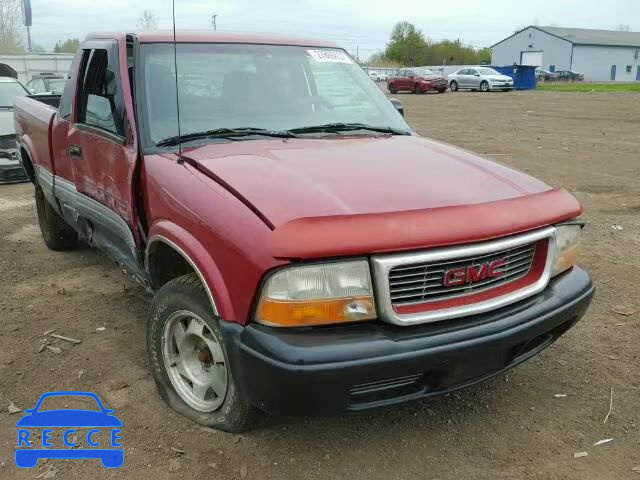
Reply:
x=301, y=178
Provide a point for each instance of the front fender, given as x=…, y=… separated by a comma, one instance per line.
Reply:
x=199, y=258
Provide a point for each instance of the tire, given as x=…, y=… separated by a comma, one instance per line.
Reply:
x=392, y=89
x=453, y=86
x=417, y=90
x=181, y=314
x=57, y=235
x=484, y=86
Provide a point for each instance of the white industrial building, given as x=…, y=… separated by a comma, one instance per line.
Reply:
x=601, y=55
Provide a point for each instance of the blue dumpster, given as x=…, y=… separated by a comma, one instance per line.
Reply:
x=524, y=76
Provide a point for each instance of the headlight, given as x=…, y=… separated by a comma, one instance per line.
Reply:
x=318, y=294
x=567, y=247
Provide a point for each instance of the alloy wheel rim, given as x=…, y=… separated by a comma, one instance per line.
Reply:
x=194, y=361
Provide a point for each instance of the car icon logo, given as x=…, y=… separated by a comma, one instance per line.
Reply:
x=61, y=427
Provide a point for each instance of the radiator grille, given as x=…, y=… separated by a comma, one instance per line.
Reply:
x=425, y=282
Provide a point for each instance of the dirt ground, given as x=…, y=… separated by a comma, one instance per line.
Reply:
x=514, y=427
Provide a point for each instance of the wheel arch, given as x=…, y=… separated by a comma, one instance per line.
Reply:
x=26, y=160
x=173, y=252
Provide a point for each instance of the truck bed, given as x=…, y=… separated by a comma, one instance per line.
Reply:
x=33, y=117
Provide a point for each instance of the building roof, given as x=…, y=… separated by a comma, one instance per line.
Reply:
x=585, y=36
x=217, y=37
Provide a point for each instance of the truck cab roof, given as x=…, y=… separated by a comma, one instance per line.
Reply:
x=187, y=36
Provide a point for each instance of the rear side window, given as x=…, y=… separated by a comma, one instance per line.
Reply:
x=100, y=101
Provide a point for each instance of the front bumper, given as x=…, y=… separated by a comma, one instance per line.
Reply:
x=11, y=171
x=501, y=86
x=10, y=167
x=434, y=86
x=354, y=367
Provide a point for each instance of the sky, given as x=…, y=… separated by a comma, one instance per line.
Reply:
x=361, y=26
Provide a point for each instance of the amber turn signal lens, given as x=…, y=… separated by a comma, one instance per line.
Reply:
x=318, y=312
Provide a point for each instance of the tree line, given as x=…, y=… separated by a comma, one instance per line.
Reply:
x=408, y=47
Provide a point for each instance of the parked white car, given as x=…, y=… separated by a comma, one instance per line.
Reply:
x=378, y=77
x=479, y=78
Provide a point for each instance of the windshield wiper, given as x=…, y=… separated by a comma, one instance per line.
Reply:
x=223, y=133
x=347, y=127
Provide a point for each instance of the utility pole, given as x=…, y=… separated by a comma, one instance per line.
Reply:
x=213, y=20
x=29, y=39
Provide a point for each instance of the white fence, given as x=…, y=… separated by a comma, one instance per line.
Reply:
x=28, y=64
x=443, y=70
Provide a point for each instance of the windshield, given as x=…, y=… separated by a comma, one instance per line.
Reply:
x=56, y=85
x=269, y=87
x=487, y=71
x=424, y=72
x=9, y=91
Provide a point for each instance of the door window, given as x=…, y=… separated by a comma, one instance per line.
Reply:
x=100, y=101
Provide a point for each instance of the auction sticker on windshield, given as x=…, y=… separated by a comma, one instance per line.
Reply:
x=331, y=56
x=54, y=429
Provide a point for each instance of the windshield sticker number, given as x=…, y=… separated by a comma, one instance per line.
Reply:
x=330, y=56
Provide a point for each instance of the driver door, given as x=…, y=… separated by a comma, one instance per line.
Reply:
x=462, y=78
x=103, y=156
x=474, y=78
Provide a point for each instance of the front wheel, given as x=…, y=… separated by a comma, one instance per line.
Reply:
x=392, y=88
x=189, y=360
x=484, y=86
x=453, y=86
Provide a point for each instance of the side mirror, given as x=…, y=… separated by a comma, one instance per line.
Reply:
x=397, y=104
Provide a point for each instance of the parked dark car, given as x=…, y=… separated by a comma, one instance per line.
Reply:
x=569, y=76
x=545, y=75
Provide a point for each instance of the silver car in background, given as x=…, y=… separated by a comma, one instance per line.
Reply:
x=479, y=78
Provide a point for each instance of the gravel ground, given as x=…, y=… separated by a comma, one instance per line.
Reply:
x=513, y=427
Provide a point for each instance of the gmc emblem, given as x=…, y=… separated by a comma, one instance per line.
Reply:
x=474, y=273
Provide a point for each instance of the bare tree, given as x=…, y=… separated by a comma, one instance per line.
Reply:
x=11, y=26
x=623, y=28
x=147, y=21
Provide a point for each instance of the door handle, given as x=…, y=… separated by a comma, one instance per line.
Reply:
x=75, y=151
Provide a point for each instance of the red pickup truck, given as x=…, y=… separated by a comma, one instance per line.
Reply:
x=309, y=253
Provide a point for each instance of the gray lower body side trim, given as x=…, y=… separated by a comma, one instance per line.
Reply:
x=99, y=225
